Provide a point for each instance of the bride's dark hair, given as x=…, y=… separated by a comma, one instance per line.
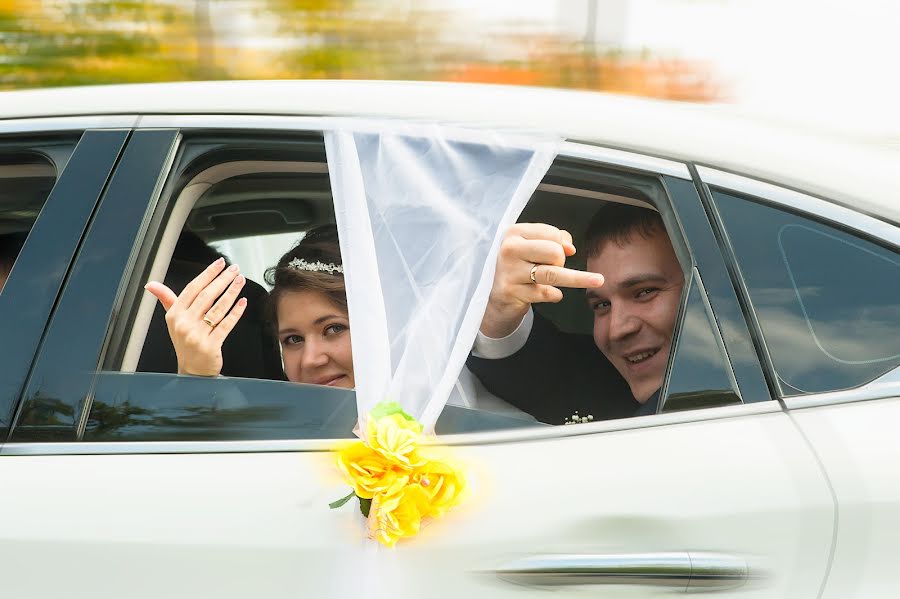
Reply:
x=320, y=244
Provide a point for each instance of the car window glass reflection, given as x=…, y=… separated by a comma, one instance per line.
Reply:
x=701, y=375
x=160, y=407
x=826, y=300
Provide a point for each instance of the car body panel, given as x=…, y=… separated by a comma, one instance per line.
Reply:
x=229, y=524
x=857, y=443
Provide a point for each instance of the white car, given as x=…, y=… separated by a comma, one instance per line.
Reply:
x=769, y=471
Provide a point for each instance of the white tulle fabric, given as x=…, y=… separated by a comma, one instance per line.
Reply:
x=421, y=211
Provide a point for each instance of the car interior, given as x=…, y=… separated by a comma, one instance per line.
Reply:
x=255, y=210
x=249, y=201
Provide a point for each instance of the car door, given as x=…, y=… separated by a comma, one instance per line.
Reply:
x=727, y=498
x=824, y=281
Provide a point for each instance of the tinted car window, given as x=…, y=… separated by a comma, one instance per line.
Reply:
x=701, y=375
x=827, y=300
x=25, y=183
x=159, y=407
x=43, y=207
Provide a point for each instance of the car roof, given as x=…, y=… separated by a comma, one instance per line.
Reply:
x=859, y=174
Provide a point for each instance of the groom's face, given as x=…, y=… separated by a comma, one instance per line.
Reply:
x=636, y=308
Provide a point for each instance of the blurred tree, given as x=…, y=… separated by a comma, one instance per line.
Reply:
x=75, y=42
x=365, y=39
x=71, y=42
x=554, y=61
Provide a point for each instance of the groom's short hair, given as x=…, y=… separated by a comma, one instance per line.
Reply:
x=618, y=222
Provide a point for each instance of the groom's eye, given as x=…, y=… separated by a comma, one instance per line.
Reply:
x=599, y=305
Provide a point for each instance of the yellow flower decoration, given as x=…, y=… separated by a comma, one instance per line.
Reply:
x=398, y=486
x=393, y=517
x=369, y=472
x=443, y=484
x=395, y=437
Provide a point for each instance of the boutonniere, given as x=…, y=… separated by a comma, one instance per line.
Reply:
x=399, y=484
x=576, y=419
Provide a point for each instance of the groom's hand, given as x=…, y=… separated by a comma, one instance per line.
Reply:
x=530, y=269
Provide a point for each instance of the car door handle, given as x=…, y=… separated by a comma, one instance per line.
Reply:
x=685, y=570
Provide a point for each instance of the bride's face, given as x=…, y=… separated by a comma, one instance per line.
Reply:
x=315, y=339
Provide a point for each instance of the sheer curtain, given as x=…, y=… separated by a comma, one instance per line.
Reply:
x=421, y=211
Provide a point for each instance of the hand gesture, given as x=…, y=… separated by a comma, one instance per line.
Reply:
x=198, y=322
x=531, y=269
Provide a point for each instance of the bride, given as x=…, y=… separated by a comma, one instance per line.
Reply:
x=307, y=308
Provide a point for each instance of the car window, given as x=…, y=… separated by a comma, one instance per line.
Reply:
x=826, y=299
x=222, y=200
x=567, y=372
x=26, y=179
x=701, y=374
x=251, y=198
x=44, y=205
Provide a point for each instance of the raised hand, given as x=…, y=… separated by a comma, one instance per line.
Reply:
x=531, y=269
x=198, y=322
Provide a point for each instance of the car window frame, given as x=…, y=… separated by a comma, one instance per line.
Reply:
x=61, y=362
x=691, y=206
x=37, y=279
x=671, y=173
x=818, y=209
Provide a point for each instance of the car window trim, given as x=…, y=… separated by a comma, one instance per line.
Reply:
x=886, y=386
x=569, y=149
x=795, y=201
x=67, y=123
x=632, y=160
x=539, y=434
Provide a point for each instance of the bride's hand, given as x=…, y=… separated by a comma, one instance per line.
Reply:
x=198, y=322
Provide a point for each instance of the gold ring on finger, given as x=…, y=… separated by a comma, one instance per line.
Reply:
x=533, y=269
x=209, y=322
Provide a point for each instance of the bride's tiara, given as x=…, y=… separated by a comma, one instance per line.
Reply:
x=301, y=264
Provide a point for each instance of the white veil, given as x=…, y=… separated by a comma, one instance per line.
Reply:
x=421, y=211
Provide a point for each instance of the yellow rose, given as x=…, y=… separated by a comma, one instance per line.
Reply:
x=369, y=472
x=396, y=438
x=443, y=484
x=399, y=515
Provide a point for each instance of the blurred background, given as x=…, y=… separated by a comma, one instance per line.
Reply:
x=819, y=62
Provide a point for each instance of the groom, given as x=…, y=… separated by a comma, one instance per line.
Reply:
x=633, y=287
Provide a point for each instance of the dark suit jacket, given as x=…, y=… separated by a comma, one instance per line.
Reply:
x=556, y=374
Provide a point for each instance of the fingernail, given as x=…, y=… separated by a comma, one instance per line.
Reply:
x=239, y=280
x=596, y=281
x=219, y=262
x=242, y=301
x=233, y=268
